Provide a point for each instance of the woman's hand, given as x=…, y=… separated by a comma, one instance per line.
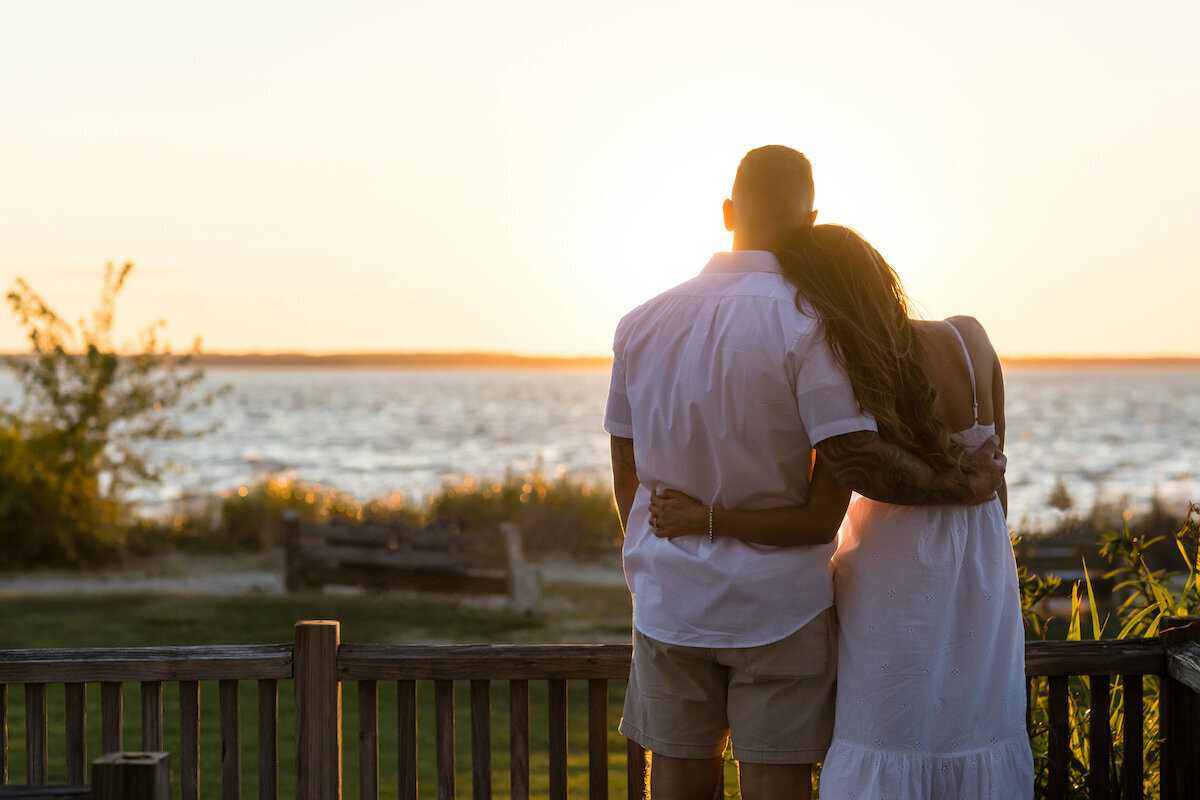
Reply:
x=674, y=514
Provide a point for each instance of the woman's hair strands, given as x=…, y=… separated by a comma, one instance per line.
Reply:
x=864, y=308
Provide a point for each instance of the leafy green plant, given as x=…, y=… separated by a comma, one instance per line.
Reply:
x=1145, y=596
x=1034, y=590
x=74, y=446
x=1060, y=496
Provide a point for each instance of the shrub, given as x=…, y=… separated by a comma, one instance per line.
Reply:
x=73, y=447
x=565, y=516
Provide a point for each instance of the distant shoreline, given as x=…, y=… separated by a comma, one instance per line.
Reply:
x=402, y=360
x=472, y=360
x=511, y=361
x=1116, y=362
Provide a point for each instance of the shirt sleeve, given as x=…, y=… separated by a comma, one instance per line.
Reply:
x=618, y=415
x=824, y=396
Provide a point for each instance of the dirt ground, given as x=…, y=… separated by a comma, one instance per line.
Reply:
x=254, y=573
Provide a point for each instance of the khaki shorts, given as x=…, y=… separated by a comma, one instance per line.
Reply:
x=774, y=701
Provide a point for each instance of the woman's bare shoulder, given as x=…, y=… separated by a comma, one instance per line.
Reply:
x=965, y=322
x=961, y=321
x=926, y=327
x=971, y=329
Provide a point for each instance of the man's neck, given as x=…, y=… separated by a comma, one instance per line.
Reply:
x=751, y=243
x=761, y=240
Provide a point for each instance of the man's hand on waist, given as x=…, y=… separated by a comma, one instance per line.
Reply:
x=985, y=472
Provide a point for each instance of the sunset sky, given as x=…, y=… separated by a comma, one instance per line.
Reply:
x=514, y=176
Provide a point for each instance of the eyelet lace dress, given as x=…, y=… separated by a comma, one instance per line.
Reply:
x=931, y=661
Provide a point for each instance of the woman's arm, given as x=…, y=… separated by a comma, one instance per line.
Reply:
x=674, y=513
x=998, y=417
x=977, y=337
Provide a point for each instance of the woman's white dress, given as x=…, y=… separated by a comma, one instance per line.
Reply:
x=931, y=659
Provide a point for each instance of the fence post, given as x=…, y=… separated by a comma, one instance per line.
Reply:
x=132, y=776
x=318, y=710
x=1179, y=765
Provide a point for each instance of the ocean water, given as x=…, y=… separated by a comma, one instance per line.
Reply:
x=1116, y=435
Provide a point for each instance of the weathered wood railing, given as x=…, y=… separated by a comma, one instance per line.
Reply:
x=480, y=665
x=1173, y=658
x=319, y=666
x=1129, y=660
x=150, y=667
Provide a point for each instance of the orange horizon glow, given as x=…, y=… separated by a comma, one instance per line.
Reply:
x=567, y=359
x=446, y=179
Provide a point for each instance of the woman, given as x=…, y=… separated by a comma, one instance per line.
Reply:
x=931, y=693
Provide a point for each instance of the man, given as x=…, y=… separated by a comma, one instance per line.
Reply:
x=721, y=388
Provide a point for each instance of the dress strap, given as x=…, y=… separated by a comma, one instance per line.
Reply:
x=970, y=371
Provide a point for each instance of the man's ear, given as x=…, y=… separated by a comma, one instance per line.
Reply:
x=727, y=211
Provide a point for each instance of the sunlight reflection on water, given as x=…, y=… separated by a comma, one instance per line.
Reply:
x=373, y=432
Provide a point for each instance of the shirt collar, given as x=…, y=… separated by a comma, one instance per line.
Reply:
x=743, y=261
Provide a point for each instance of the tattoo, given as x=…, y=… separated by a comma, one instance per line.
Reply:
x=881, y=471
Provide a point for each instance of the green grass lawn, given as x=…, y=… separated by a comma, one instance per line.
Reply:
x=577, y=614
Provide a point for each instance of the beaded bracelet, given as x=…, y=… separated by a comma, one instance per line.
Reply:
x=710, y=523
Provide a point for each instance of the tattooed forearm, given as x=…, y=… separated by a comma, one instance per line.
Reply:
x=625, y=480
x=881, y=471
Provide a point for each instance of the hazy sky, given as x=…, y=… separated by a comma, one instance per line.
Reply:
x=514, y=176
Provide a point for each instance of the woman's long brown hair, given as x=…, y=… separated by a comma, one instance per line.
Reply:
x=864, y=308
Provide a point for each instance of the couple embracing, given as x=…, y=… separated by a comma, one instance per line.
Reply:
x=746, y=405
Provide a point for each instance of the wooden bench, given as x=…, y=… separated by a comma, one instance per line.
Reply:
x=1066, y=564
x=380, y=556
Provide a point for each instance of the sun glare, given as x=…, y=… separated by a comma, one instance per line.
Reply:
x=658, y=217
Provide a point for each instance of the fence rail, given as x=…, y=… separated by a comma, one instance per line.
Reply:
x=149, y=667
x=319, y=666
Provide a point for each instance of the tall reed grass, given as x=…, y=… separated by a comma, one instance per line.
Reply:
x=563, y=515
x=1143, y=596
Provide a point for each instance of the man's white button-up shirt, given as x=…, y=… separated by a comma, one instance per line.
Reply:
x=724, y=385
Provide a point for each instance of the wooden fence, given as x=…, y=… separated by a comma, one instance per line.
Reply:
x=319, y=666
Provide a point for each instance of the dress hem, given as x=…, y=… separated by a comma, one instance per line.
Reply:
x=1003, y=771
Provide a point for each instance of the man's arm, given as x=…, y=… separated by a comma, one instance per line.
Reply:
x=625, y=480
x=881, y=471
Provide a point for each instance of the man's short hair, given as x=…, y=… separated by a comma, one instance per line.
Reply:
x=773, y=176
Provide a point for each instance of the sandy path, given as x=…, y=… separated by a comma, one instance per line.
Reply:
x=255, y=573
x=175, y=573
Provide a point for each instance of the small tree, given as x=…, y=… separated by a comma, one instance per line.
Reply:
x=73, y=448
